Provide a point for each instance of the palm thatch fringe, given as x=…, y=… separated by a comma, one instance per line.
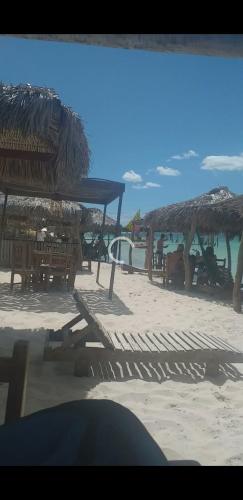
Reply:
x=217, y=211
x=34, y=119
x=34, y=210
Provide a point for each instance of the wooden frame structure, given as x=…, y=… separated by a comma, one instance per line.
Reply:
x=218, y=211
x=90, y=190
x=178, y=347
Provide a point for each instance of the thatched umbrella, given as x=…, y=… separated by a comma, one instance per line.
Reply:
x=203, y=213
x=43, y=147
x=42, y=142
x=93, y=221
x=34, y=210
x=178, y=216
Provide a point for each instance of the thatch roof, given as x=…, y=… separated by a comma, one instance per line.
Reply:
x=93, y=221
x=42, y=142
x=34, y=210
x=215, y=211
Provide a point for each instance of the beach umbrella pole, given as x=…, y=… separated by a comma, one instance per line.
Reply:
x=118, y=230
x=238, y=279
x=3, y=222
x=102, y=234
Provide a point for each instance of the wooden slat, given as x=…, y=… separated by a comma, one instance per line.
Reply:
x=197, y=343
x=209, y=344
x=211, y=340
x=117, y=344
x=224, y=344
x=177, y=336
x=135, y=346
x=165, y=345
x=151, y=346
x=192, y=343
x=153, y=340
x=123, y=341
x=143, y=347
x=176, y=343
x=215, y=342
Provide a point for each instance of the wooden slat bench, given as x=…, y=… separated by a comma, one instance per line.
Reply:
x=166, y=346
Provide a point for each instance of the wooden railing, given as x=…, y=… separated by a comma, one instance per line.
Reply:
x=7, y=248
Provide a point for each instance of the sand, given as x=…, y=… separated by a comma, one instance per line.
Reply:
x=189, y=416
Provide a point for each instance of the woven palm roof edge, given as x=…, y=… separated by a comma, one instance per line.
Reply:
x=217, y=211
x=34, y=118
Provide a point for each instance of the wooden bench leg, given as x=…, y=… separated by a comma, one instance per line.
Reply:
x=81, y=367
x=12, y=281
x=212, y=369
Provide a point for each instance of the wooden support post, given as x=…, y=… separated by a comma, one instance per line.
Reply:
x=118, y=230
x=76, y=232
x=188, y=242
x=102, y=234
x=150, y=252
x=18, y=381
x=238, y=279
x=130, y=271
x=228, y=251
x=3, y=222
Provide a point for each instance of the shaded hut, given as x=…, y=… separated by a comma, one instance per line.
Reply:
x=36, y=211
x=220, y=210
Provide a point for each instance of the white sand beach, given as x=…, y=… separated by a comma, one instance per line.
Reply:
x=188, y=416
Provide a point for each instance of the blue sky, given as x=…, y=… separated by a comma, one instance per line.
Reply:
x=140, y=109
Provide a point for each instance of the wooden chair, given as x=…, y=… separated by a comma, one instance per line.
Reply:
x=62, y=268
x=14, y=371
x=168, y=266
x=21, y=262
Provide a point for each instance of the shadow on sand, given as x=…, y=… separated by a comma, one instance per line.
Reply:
x=99, y=302
x=18, y=300
x=195, y=293
x=151, y=371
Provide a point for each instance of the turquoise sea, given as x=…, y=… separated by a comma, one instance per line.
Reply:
x=173, y=239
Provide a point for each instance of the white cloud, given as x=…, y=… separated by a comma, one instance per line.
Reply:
x=168, y=171
x=147, y=185
x=131, y=176
x=185, y=156
x=152, y=184
x=223, y=163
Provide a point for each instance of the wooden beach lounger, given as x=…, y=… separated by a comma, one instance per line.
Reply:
x=162, y=347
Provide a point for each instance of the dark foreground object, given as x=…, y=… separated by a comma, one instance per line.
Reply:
x=88, y=432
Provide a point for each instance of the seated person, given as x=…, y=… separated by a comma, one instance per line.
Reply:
x=88, y=249
x=175, y=266
x=209, y=273
x=100, y=248
x=160, y=249
x=177, y=271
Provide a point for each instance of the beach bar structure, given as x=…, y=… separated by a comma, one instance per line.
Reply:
x=44, y=153
x=218, y=211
